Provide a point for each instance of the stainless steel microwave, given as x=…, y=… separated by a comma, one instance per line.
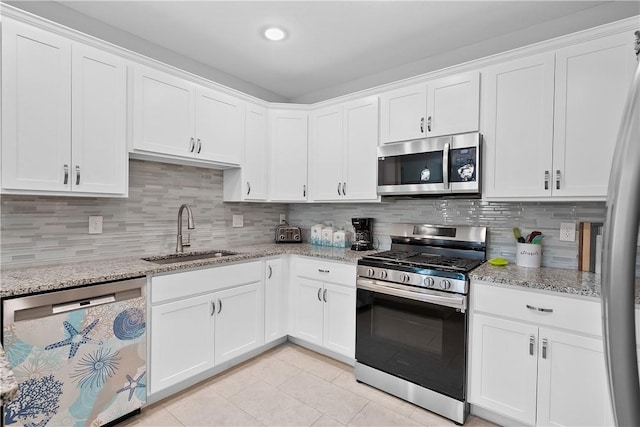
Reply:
x=441, y=165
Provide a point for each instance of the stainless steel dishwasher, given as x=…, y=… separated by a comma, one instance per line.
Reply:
x=79, y=355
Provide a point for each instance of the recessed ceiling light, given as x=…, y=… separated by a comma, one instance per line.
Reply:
x=274, y=33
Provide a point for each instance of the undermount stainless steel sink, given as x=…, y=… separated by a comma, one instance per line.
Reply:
x=174, y=258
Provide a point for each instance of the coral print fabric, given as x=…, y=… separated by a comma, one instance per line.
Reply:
x=81, y=368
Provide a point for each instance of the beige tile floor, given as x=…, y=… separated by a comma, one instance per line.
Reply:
x=288, y=386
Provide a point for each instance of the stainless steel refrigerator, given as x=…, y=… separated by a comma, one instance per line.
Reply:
x=619, y=261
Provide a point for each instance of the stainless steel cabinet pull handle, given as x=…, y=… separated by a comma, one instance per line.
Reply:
x=422, y=125
x=429, y=124
x=319, y=291
x=344, y=188
x=199, y=146
x=338, y=189
x=77, y=175
x=532, y=341
x=544, y=310
x=219, y=306
x=270, y=272
x=545, y=343
x=248, y=188
x=546, y=180
x=324, y=295
x=66, y=174
x=213, y=308
x=323, y=271
x=558, y=179
x=192, y=145
x=304, y=191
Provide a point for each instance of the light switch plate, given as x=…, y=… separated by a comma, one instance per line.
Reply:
x=95, y=225
x=283, y=218
x=568, y=232
x=238, y=221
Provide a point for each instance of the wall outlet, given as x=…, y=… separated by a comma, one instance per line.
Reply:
x=568, y=232
x=283, y=218
x=238, y=221
x=95, y=225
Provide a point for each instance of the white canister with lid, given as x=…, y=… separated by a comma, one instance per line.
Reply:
x=327, y=236
x=339, y=239
x=316, y=234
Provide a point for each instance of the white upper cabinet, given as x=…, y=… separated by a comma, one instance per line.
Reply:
x=518, y=126
x=550, y=121
x=592, y=82
x=288, y=153
x=403, y=113
x=343, y=151
x=250, y=181
x=444, y=106
x=64, y=115
x=175, y=118
x=453, y=104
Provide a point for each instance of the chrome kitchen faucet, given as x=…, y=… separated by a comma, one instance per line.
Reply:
x=190, y=225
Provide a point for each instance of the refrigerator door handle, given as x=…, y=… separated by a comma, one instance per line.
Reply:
x=618, y=266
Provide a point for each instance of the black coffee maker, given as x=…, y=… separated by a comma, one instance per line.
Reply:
x=363, y=239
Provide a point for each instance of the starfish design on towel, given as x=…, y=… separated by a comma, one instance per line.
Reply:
x=75, y=338
x=133, y=384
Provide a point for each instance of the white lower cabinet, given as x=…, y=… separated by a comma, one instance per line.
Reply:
x=323, y=304
x=193, y=331
x=275, y=300
x=530, y=366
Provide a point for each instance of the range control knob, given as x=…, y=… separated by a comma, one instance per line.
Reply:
x=404, y=278
x=370, y=272
x=428, y=281
x=383, y=274
x=445, y=284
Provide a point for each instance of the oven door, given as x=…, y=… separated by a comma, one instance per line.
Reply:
x=418, y=336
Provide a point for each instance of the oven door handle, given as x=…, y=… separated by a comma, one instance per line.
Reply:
x=453, y=300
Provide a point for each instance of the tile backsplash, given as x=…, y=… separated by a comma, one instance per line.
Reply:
x=43, y=230
x=37, y=230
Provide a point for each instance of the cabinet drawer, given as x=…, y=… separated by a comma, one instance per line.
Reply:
x=326, y=271
x=184, y=284
x=567, y=312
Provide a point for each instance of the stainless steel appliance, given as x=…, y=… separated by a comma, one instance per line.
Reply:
x=432, y=166
x=288, y=234
x=79, y=355
x=411, y=315
x=363, y=239
x=619, y=260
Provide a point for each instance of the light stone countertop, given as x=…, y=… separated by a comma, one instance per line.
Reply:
x=559, y=280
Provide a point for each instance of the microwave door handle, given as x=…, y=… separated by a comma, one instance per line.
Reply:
x=445, y=165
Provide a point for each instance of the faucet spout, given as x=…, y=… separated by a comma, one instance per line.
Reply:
x=190, y=225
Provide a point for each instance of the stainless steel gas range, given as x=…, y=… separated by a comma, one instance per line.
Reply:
x=411, y=315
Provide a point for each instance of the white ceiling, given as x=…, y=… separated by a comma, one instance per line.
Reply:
x=333, y=43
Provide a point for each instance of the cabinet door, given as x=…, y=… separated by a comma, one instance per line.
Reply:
x=99, y=148
x=239, y=325
x=326, y=154
x=307, y=310
x=403, y=113
x=518, y=127
x=219, y=127
x=181, y=340
x=288, y=146
x=361, y=149
x=36, y=108
x=163, y=113
x=453, y=104
x=572, y=381
x=274, y=303
x=503, y=367
x=255, y=154
x=592, y=81
x=339, y=319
